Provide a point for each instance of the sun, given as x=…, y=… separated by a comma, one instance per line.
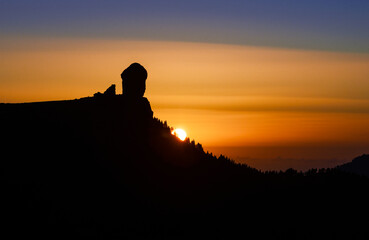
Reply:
x=179, y=133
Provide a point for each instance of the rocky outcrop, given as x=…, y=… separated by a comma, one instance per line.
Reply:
x=134, y=81
x=110, y=91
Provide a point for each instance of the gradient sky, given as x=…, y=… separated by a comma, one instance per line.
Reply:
x=338, y=25
x=274, y=84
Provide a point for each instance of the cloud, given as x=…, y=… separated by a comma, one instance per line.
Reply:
x=263, y=104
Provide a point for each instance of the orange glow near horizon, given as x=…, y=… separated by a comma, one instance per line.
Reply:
x=223, y=95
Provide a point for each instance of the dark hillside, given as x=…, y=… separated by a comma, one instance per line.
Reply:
x=103, y=167
x=359, y=165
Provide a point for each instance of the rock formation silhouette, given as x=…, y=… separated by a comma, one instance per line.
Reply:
x=110, y=91
x=134, y=81
x=134, y=87
x=136, y=107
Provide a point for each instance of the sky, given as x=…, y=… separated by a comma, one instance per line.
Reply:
x=273, y=84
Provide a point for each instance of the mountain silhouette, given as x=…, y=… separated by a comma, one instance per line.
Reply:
x=359, y=165
x=104, y=167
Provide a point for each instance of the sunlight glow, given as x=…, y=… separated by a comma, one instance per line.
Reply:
x=180, y=133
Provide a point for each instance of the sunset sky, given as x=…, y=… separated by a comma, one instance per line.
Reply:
x=274, y=84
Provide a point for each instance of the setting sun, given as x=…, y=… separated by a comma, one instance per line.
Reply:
x=180, y=133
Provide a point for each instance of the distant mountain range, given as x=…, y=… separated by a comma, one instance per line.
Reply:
x=103, y=167
x=359, y=165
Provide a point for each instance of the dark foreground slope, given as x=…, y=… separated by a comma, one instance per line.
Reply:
x=103, y=168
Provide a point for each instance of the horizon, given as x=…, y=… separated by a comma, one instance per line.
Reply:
x=294, y=79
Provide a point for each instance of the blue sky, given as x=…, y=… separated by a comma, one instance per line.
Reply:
x=333, y=25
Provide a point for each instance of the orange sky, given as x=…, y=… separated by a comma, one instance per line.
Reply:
x=222, y=95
